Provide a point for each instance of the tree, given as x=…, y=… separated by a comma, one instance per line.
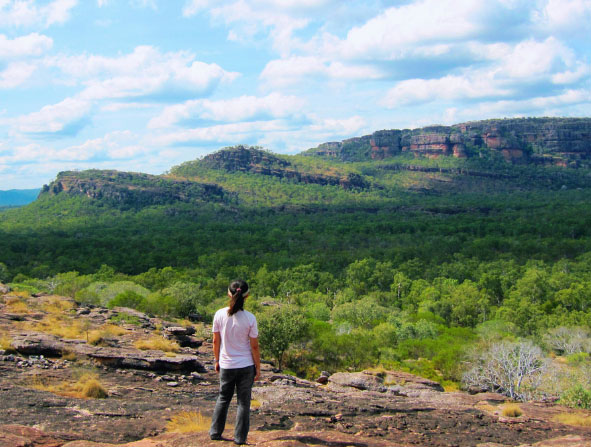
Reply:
x=568, y=340
x=278, y=329
x=511, y=368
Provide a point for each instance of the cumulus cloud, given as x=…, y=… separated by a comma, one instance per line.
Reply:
x=292, y=70
x=146, y=72
x=64, y=117
x=243, y=108
x=15, y=74
x=570, y=16
x=30, y=45
x=18, y=13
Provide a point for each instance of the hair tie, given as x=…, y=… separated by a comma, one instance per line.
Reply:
x=238, y=290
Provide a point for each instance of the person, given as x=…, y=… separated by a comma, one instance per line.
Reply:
x=237, y=360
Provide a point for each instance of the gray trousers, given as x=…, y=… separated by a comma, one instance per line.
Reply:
x=242, y=380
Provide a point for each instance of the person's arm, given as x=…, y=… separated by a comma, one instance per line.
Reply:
x=217, y=343
x=256, y=356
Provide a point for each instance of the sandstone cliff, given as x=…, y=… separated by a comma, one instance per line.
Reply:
x=558, y=141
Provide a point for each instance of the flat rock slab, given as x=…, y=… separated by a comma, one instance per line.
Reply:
x=126, y=358
x=395, y=381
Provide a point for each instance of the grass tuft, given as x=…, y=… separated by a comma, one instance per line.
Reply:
x=6, y=343
x=88, y=386
x=512, y=411
x=575, y=419
x=157, y=343
x=188, y=422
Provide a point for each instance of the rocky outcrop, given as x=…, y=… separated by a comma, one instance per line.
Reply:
x=130, y=189
x=258, y=161
x=558, y=141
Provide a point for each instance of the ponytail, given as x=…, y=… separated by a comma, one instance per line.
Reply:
x=238, y=290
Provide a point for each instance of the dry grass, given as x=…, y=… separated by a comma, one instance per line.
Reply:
x=56, y=305
x=87, y=386
x=6, y=342
x=188, y=422
x=98, y=336
x=61, y=326
x=157, y=343
x=512, y=411
x=575, y=419
x=255, y=403
x=485, y=406
x=16, y=306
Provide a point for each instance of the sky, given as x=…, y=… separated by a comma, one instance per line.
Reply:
x=144, y=85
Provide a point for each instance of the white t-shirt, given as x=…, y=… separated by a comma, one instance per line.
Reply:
x=236, y=332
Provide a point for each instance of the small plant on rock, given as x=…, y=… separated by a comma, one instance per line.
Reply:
x=512, y=411
x=188, y=422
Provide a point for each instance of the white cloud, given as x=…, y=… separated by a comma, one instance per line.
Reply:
x=30, y=45
x=447, y=88
x=566, y=15
x=15, y=74
x=54, y=118
x=243, y=108
x=27, y=13
x=279, y=131
x=530, y=59
x=144, y=72
x=292, y=70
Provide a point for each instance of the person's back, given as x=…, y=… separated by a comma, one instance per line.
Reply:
x=235, y=332
x=236, y=350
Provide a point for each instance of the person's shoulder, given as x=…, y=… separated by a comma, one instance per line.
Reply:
x=221, y=312
x=250, y=315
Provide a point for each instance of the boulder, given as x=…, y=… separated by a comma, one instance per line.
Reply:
x=4, y=288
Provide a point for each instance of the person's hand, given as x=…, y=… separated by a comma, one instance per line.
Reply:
x=217, y=367
x=257, y=375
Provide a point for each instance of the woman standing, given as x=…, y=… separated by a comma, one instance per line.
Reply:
x=237, y=360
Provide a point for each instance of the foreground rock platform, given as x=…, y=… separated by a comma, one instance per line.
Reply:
x=358, y=409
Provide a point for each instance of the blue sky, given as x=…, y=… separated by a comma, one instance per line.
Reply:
x=143, y=85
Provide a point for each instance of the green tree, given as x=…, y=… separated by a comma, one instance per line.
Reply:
x=279, y=328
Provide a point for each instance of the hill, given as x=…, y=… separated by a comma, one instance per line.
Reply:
x=321, y=207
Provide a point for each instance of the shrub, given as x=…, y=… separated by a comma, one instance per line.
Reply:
x=577, y=397
x=188, y=422
x=129, y=298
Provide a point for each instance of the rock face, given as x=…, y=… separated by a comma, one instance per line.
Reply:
x=559, y=141
x=131, y=189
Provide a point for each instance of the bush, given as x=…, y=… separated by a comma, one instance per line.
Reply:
x=577, y=397
x=129, y=298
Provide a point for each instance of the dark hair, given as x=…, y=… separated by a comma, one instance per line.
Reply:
x=238, y=289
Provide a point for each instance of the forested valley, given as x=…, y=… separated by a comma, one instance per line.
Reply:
x=440, y=267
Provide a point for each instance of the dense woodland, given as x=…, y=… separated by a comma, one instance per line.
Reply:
x=408, y=263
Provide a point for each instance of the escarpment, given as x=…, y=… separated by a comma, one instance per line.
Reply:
x=557, y=141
